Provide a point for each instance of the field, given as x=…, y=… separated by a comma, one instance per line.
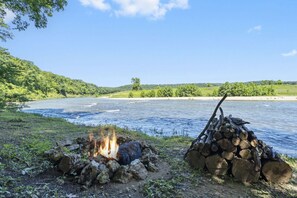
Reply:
x=286, y=90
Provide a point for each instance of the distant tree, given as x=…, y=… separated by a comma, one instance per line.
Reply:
x=279, y=82
x=25, y=11
x=136, y=84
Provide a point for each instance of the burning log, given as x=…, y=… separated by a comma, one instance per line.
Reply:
x=227, y=144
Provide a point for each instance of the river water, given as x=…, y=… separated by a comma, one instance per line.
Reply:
x=272, y=121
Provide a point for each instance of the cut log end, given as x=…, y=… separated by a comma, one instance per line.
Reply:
x=243, y=170
x=228, y=155
x=245, y=154
x=216, y=165
x=195, y=159
x=277, y=172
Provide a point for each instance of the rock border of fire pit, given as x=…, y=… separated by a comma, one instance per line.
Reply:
x=72, y=158
x=227, y=147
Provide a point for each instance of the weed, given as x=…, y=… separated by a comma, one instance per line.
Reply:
x=160, y=188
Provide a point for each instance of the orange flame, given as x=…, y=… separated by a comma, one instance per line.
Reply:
x=109, y=147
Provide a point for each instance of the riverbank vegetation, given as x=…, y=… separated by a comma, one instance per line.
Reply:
x=25, y=172
x=234, y=89
x=254, y=88
x=21, y=80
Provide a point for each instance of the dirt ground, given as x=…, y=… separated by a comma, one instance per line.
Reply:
x=24, y=138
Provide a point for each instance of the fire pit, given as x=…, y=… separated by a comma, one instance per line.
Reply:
x=227, y=146
x=104, y=158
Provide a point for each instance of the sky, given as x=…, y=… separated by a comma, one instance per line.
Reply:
x=107, y=42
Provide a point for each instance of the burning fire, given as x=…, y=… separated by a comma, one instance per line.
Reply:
x=108, y=146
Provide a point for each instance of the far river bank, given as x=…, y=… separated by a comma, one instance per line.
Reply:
x=231, y=98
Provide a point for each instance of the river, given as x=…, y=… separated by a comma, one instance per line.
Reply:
x=274, y=122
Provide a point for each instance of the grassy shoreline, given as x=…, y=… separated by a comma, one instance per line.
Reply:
x=24, y=138
x=203, y=98
x=283, y=90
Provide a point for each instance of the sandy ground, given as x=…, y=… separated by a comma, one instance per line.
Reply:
x=241, y=98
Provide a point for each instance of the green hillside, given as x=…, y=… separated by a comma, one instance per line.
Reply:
x=21, y=80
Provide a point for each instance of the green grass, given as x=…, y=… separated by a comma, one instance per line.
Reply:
x=286, y=90
x=206, y=91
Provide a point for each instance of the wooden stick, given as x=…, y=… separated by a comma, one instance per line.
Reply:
x=208, y=123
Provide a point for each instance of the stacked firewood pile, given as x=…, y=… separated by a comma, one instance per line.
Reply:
x=77, y=160
x=227, y=147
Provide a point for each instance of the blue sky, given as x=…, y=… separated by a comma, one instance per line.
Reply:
x=107, y=42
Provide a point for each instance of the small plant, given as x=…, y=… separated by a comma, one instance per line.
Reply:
x=159, y=188
x=130, y=95
x=38, y=146
x=142, y=94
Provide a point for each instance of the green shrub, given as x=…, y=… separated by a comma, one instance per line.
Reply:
x=187, y=91
x=151, y=94
x=142, y=94
x=246, y=89
x=130, y=95
x=165, y=92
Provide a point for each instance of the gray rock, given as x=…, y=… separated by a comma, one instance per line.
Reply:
x=73, y=147
x=65, y=143
x=89, y=173
x=123, y=175
x=148, y=156
x=138, y=170
x=54, y=155
x=152, y=167
x=113, y=166
x=103, y=177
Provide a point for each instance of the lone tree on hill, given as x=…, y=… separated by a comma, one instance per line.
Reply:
x=21, y=12
x=136, y=84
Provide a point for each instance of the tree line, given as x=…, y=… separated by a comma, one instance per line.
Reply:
x=21, y=80
x=246, y=89
x=192, y=90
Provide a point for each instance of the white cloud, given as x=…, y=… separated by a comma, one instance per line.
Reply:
x=257, y=28
x=153, y=9
x=291, y=53
x=97, y=4
x=9, y=16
